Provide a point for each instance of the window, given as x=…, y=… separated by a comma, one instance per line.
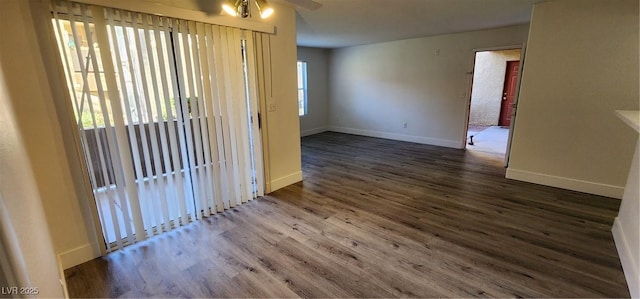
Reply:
x=163, y=147
x=302, y=88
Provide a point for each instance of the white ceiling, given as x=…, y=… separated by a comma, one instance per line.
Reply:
x=343, y=23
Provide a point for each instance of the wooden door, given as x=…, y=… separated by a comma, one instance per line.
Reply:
x=509, y=92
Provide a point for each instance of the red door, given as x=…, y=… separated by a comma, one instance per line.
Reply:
x=509, y=92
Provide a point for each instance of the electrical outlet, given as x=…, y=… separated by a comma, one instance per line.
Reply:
x=272, y=107
x=438, y=52
x=404, y=125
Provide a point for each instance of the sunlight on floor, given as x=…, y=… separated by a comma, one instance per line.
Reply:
x=492, y=140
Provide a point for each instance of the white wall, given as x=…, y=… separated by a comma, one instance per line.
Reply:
x=42, y=122
x=626, y=228
x=423, y=82
x=488, y=83
x=317, y=119
x=581, y=64
x=28, y=153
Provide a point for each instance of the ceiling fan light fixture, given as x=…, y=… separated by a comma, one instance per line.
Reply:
x=264, y=8
x=231, y=7
x=243, y=8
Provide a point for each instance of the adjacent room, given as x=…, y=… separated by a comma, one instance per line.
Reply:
x=493, y=90
x=320, y=148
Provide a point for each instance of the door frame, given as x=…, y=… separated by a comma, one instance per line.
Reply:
x=522, y=47
x=514, y=108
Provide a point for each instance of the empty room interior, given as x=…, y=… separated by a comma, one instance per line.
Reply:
x=320, y=148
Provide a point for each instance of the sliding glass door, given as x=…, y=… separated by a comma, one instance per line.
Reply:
x=167, y=115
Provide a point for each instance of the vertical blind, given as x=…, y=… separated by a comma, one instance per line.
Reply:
x=167, y=115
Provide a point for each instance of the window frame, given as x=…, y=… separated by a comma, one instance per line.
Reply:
x=301, y=66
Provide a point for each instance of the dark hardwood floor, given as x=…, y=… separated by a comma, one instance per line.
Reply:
x=380, y=218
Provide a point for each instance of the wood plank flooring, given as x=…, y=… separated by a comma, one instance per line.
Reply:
x=380, y=218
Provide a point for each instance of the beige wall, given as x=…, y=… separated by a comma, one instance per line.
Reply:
x=283, y=125
x=317, y=119
x=581, y=64
x=43, y=123
x=32, y=177
x=488, y=83
x=37, y=121
x=423, y=82
x=77, y=204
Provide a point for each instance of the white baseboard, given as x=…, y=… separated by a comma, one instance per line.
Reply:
x=79, y=255
x=313, y=131
x=400, y=137
x=566, y=183
x=285, y=181
x=629, y=264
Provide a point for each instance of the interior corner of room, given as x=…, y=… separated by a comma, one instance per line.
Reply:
x=40, y=145
x=565, y=134
x=565, y=131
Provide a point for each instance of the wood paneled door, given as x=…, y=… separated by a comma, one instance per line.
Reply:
x=509, y=92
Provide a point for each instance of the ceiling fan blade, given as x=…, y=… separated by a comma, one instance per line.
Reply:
x=306, y=4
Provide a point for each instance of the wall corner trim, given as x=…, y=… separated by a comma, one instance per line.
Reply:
x=79, y=255
x=399, y=137
x=313, y=131
x=629, y=264
x=566, y=183
x=285, y=181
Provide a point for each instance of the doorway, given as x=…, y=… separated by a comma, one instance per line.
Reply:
x=493, y=91
x=508, y=93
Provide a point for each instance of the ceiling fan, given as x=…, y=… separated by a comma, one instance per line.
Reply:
x=240, y=8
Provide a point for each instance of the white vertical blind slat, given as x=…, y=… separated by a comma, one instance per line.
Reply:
x=231, y=114
x=168, y=185
x=242, y=121
x=136, y=176
x=200, y=66
x=260, y=89
x=139, y=99
x=125, y=178
x=140, y=160
x=84, y=68
x=263, y=69
x=155, y=185
x=101, y=155
x=244, y=118
x=164, y=148
x=214, y=121
x=175, y=140
x=222, y=56
x=186, y=137
x=193, y=99
x=256, y=155
x=176, y=135
x=213, y=172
